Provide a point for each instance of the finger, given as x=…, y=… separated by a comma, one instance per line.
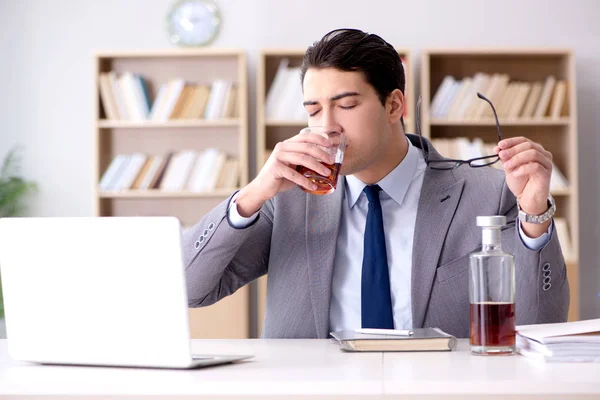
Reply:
x=507, y=154
x=510, y=142
x=525, y=157
x=292, y=175
x=305, y=160
x=306, y=148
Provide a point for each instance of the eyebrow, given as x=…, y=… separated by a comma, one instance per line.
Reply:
x=334, y=98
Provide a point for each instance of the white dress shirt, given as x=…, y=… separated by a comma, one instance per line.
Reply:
x=399, y=196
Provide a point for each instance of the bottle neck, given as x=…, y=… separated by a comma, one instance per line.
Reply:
x=492, y=240
x=491, y=247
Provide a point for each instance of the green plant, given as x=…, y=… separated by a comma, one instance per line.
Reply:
x=13, y=191
x=13, y=188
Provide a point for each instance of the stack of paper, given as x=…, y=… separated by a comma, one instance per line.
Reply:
x=577, y=341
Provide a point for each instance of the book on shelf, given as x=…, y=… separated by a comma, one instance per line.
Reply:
x=284, y=98
x=456, y=99
x=181, y=171
x=127, y=96
x=577, y=341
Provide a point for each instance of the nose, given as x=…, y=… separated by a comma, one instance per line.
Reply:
x=329, y=122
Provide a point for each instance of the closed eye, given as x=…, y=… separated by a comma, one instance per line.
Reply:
x=342, y=107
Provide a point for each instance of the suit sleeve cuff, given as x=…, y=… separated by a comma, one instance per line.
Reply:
x=234, y=217
x=535, y=244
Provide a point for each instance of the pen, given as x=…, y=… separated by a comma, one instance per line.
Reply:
x=388, y=332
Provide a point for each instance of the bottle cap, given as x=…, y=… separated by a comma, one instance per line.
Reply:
x=495, y=221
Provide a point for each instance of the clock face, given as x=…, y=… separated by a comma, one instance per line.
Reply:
x=193, y=22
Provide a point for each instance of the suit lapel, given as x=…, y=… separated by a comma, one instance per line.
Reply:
x=439, y=199
x=322, y=226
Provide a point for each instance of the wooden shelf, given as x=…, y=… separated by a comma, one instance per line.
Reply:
x=159, y=194
x=170, y=54
x=557, y=135
x=229, y=318
x=275, y=123
x=561, y=193
x=176, y=123
x=506, y=122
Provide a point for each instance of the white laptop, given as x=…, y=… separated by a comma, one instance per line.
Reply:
x=97, y=291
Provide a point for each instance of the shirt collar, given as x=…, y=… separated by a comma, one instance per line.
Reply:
x=395, y=184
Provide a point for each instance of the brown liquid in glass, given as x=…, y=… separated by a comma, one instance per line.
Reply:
x=325, y=185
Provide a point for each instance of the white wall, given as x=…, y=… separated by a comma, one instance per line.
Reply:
x=46, y=73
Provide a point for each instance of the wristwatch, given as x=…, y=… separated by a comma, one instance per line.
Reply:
x=538, y=219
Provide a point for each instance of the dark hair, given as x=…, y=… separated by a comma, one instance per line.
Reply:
x=355, y=50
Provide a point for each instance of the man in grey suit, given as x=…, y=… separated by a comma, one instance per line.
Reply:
x=321, y=258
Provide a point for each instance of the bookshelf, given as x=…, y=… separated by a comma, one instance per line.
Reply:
x=117, y=133
x=273, y=129
x=553, y=122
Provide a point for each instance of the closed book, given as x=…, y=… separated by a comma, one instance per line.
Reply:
x=423, y=339
x=532, y=100
x=543, y=106
x=558, y=99
x=108, y=99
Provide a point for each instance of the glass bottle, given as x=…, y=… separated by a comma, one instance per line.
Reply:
x=492, y=292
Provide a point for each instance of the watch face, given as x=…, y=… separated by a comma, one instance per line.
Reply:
x=193, y=22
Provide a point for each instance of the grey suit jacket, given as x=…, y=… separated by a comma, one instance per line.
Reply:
x=294, y=241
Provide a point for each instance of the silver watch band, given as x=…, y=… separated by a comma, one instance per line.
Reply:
x=538, y=219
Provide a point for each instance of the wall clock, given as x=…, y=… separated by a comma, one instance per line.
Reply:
x=193, y=22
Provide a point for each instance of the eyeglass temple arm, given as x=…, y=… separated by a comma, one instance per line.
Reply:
x=426, y=151
x=482, y=97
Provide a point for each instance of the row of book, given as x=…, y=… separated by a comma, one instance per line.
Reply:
x=185, y=170
x=456, y=99
x=462, y=148
x=126, y=96
x=285, y=98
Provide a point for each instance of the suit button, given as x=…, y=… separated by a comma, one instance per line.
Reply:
x=201, y=239
x=547, y=280
x=547, y=286
x=205, y=233
x=197, y=244
x=211, y=226
x=547, y=273
x=546, y=267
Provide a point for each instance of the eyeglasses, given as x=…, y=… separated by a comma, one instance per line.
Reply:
x=446, y=163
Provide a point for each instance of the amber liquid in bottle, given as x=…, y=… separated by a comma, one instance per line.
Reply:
x=493, y=324
x=325, y=184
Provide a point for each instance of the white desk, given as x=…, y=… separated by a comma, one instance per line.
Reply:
x=311, y=368
x=462, y=375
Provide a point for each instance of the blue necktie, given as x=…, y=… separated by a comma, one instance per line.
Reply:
x=376, y=300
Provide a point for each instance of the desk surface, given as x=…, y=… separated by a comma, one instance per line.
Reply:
x=309, y=368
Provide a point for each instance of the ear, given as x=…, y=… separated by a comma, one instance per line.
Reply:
x=395, y=106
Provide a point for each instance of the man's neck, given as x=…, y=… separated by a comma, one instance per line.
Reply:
x=393, y=156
